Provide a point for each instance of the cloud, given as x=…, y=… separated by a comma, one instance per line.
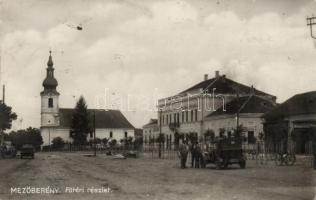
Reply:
x=144, y=47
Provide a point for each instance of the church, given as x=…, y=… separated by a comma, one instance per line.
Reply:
x=56, y=121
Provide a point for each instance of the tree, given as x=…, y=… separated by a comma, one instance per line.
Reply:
x=58, y=143
x=98, y=140
x=26, y=136
x=6, y=118
x=112, y=143
x=209, y=135
x=80, y=126
x=105, y=141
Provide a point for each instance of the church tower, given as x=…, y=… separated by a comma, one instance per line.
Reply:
x=49, y=98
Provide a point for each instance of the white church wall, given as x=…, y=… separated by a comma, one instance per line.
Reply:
x=49, y=134
x=117, y=134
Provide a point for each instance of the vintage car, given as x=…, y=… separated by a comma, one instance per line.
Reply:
x=27, y=150
x=224, y=152
x=8, y=150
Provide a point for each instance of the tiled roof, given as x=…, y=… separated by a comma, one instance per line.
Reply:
x=245, y=104
x=304, y=103
x=224, y=85
x=103, y=118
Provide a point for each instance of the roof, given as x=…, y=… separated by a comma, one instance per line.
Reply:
x=152, y=122
x=299, y=104
x=245, y=104
x=103, y=118
x=138, y=132
x=224, y=85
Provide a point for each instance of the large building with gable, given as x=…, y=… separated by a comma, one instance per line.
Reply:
x=56, y=121
x=212, y=104
x=293, y=123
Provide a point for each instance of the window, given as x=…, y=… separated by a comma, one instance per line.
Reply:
x=167, y=119
x=186, y=116
x=196, y=115
x=182, y=116
x=251, y=137
x=170, y=118
x=163, y=119
x=178, y=117
x=50, y=103
x=191, y=115
x=174, y=118
x=111, y=134
x=125, y=134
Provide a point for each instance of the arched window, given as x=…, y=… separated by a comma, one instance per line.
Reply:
x=50, y=103
x=111, y=134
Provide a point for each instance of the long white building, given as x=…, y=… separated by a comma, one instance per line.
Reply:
x=190, y=111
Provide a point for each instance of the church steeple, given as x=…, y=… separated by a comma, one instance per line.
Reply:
x=50, y=83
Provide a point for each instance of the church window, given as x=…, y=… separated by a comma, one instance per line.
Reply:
x=50, y=103
x=111, y=134
x=125, y=134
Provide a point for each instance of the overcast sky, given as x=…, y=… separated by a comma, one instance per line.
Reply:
x=149, y=49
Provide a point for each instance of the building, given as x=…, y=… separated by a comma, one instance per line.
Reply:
x=250, y=111
x=150, y=130
x=294, y=120
x=186, y=112
x=56, y=121
x=138, y=134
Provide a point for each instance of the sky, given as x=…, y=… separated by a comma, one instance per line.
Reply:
x=132, y=52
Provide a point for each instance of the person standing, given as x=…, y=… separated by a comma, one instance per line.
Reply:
x=183, y=153
x=193, y=154
x=198, y=153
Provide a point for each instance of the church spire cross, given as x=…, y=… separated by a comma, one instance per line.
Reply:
x=50, y=60
x=50, y=83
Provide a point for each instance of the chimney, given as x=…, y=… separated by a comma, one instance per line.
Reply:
x=205, y=77
x=216, y=74
x=252, y=90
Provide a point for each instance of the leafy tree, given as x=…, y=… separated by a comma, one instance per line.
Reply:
x=6, y=118
x=80, y=126
x=58, y=143
x=112, y=143
x=209, y=135
x=97, y=140
x=26, y=136
x=161, y=138
x=104, y=141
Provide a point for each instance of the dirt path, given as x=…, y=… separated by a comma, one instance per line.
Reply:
x=150, y=179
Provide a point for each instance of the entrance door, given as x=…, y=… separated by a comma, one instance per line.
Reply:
x=302, y=136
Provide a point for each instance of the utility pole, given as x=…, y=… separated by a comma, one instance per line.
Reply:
x=94, y=142
x=160, y=134
x=237, y=113
x=310, y=22
x=3, y=94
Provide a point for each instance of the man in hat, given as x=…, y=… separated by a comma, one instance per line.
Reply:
x=183, y=153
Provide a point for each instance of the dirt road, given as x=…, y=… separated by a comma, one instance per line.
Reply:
x=74, y=176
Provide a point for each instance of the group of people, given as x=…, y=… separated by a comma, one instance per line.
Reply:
x=197, y=160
